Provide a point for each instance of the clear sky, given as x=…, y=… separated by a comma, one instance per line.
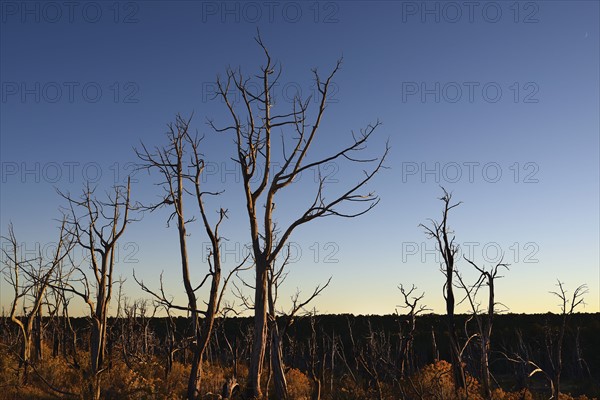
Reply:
x=496, y=101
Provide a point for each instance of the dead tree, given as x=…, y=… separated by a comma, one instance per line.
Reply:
x=231, y=354
x=484, y=323
x=180, y=165
x=445, y=242
x=171, y=345
x=406, y=339
x=434, y=350
x=521, y=360
x=57, y=303
x=135, y=336
x=30, y=280
x=69, y=334
x=555, y=340
x=96, y=226
x=253, y=121
x=581, y=366
x=316, y=364
x=352, y=365
x=370, y=357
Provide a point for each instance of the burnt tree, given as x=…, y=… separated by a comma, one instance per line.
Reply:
x=180, y=165
x=254, y=118
x=30, y=279
x=96, y=226
x=444, y=237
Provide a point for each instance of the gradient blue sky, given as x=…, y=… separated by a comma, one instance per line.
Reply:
x=429, y=71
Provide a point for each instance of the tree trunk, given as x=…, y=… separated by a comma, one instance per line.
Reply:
x=26, y=355
x=436, y=354
x=195, y=379
x=203, y=335
x=96, y=348
x=277, y=363
x=259, y=343
x=170, y=350
x=485, y=368
x=55, y=343
x=458, y=371
x=38, y=355
x=316, y=394
x=556, y=386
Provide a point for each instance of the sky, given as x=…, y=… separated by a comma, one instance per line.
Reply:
x=496, y=101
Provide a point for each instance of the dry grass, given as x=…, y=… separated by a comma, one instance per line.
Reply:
x=146, y=380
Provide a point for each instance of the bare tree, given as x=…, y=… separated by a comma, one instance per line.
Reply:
x=69, y=334
x=316, y=363
x=180, y=164
x=374, y=359
x=484, y=323
x=445, y=242
x=253, y=122
x=137, y=340
x=554, y=341
x=172, y=346
x=411, y=303
x=97, y=226
x=582, y=368
x=30, y=280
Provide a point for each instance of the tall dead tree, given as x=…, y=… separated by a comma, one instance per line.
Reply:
x=444, y=238
x=485, y=322
x=96, y=226
x=30, y=280
x=555, y=340
x=254, y=120
x=180, y=165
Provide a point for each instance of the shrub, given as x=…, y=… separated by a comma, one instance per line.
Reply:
x=523, y=394
x=299, y=386
x=435, y=381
